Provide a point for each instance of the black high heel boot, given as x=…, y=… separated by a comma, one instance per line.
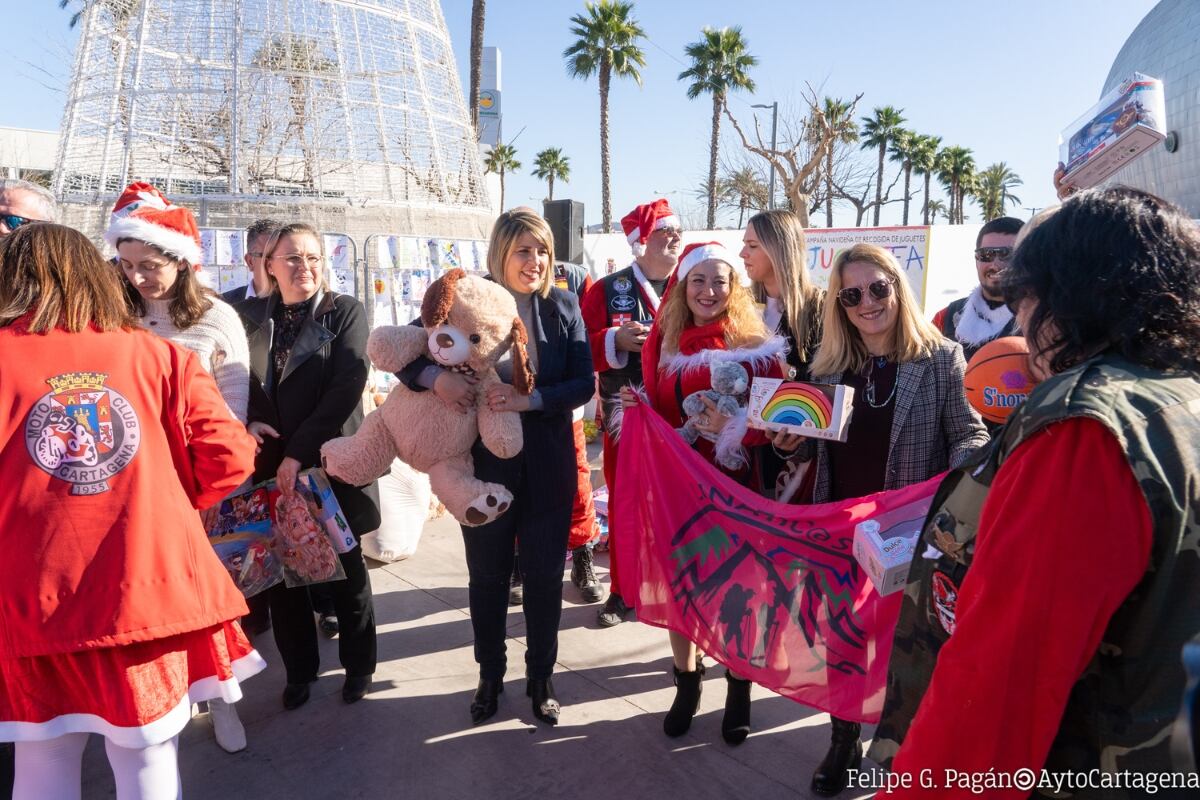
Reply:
x=545, y=705
x=486, y=699
x=735, y=725
x=845, y=753
x=688, y=686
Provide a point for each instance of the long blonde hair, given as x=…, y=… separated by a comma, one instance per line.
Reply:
x=743, y=324
x=842, y=347
x=781, y=236
x=508, y=228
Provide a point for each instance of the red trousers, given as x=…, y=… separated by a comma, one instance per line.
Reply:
x=610, y=476
x=583, y=515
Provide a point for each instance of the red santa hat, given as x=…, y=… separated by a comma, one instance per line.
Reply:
x=645, y=220
x=144, y=214
x=699, y=252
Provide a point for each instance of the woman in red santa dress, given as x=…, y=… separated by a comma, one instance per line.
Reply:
x=117, y=614
x=710, y=318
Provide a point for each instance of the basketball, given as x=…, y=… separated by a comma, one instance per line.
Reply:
x=998, y=379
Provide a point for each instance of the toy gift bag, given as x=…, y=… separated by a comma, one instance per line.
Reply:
x=310, y=531
x=242, y=537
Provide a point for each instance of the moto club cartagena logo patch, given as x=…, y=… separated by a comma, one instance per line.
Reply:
x=82, y=431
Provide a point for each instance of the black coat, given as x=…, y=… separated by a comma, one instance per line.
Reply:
x=319, y=395
x=564, y=380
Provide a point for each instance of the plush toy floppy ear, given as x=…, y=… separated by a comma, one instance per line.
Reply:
x=522, y=374
x=435, y=307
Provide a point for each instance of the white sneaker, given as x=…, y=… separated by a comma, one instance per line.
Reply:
x=231, y=736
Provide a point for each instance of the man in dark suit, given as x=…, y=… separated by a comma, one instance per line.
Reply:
x=258, y=237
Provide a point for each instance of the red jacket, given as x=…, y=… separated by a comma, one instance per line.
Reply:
x=668, y=379
x=109, y=443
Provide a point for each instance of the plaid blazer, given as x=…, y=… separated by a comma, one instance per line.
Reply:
x=934, y=428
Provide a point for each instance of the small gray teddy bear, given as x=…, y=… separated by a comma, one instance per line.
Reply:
x=730, y=382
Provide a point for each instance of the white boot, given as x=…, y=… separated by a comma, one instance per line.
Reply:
x=231, y=736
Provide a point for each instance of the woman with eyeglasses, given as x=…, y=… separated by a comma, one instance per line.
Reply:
x=159, y=255
x=708, y=318
x=911, y=419
x=308, y=371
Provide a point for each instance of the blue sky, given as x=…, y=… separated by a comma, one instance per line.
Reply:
x=1001, y=79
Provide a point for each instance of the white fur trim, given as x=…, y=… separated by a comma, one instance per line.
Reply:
x=705, y=252
x=634, y=237
x=669, y=221
x=644, y=282
x=155, y=732
x=728, y=449
x=758, y=357
x=979, y=322
x=617, y=359
x=173, y=243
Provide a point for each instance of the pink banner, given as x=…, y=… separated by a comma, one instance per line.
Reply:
x=770, y=590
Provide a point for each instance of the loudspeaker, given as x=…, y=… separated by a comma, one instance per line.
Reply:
x=566, y=222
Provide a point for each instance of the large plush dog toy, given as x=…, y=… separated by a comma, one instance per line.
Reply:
x=469, y=323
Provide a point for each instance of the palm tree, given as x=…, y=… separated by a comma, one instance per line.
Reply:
x=551, y=164
x=924, y=160
x=993, y=190
x=878, y=131
x=935, y=207
x=720, y=64
x=841, y=125
x=477, y=18
x=956, y=167
x=746, y=189
x=606, y=44
x=501, y=159
x=904, y=144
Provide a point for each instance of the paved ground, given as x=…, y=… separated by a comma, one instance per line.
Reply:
x=412, y=737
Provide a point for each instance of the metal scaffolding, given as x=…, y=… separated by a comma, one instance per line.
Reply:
x=350, y=108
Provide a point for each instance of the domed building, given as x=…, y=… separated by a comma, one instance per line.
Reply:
x=1166, y=45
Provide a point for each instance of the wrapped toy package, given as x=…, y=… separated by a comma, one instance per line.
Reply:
x=263, y=538
x=809, y=409
x=1126, y=122
x=885, y=554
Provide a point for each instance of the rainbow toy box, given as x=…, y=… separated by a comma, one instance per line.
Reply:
x=1126, y=122
x=809, y=409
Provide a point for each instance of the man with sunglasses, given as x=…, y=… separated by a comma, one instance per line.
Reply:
x=982, y=316
x=258, y=235
x=22, y=202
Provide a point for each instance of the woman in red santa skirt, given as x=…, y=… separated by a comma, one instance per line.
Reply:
x=708, y=319
x=117, y=614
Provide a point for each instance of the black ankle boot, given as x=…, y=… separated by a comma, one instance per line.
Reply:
x=688, y=686
x=735, y=725
x=545, y=705
x=486, y=699
x=845, y=753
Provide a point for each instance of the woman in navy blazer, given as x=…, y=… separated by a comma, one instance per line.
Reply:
x=541, y=478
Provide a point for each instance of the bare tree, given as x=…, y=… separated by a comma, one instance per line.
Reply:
x=800, y=155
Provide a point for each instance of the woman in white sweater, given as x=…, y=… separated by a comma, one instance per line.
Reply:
x=159, y=254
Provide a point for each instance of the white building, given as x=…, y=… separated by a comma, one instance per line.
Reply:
x=28, y=154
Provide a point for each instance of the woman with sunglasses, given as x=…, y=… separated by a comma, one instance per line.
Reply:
x=911, y=418
x=708, y=318
x=308, y=372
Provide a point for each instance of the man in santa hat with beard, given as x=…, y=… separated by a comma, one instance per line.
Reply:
x=618, y=311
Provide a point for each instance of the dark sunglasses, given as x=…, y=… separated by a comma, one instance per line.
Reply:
x=880, y=290
x=12, y=221
x=987, y=255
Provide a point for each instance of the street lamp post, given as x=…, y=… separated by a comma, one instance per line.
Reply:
x=774, y=119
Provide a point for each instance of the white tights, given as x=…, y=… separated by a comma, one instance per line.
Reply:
x=52, y=770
